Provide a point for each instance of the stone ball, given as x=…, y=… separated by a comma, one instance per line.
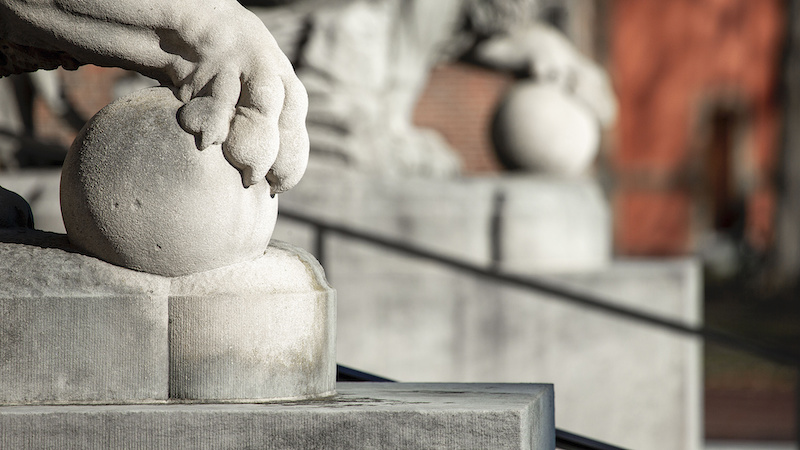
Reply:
x=136, y=192
x=540, y=128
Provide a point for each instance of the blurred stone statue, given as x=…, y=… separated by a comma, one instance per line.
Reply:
x=366, y=62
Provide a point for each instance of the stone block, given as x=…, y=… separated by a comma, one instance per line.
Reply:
x=76, y=329
x=362, y=415
x=83, y=349
x=552, y=225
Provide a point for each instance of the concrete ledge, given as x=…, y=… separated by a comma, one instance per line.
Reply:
x=362, y=415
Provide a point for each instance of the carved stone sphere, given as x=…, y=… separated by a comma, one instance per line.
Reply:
x=539, y=128
x=136, y=192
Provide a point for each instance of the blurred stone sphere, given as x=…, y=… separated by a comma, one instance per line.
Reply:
x=136, y=192
x=539, y=128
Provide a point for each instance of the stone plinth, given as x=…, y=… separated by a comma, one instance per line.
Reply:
x=362, y=415
x=75, y=329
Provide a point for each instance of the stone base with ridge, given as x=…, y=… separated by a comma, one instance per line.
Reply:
x=77, y=330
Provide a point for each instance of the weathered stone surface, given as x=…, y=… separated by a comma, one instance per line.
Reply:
x=79, y=330
x=136, y=192
x=83, y=349
x=259, y=330
x=40, y=189
x=362, y=415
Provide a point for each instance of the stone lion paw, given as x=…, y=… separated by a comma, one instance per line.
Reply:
x=243, y=93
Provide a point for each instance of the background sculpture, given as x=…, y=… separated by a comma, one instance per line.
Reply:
x=365, y=64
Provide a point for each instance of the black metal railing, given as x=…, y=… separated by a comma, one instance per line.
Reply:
x=324, y=228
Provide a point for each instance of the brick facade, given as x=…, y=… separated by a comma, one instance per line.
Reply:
x=680, y=68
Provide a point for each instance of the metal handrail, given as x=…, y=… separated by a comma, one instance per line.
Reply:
x=565, y=440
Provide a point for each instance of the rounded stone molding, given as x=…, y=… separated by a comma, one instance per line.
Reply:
x=136, y=192
x=537, y=127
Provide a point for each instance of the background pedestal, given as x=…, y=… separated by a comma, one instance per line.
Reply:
x=616, y=380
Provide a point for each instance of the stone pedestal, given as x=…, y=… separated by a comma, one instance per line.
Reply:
x=77, y=330
x=362, y=415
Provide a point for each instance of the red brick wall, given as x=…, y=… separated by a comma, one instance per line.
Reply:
x=669, y=58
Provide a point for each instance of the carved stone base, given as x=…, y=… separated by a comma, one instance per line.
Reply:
x=77, y=330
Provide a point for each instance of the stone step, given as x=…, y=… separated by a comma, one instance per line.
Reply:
x=361, y=415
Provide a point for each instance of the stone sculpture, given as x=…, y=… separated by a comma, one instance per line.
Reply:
x=135, y=191
x=550, y=121
x=365, y=64
x=539, y=128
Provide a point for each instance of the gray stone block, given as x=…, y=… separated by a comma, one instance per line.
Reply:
x=362, y=415
x=75, y=329
x=85, y=349
x=449, y=216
